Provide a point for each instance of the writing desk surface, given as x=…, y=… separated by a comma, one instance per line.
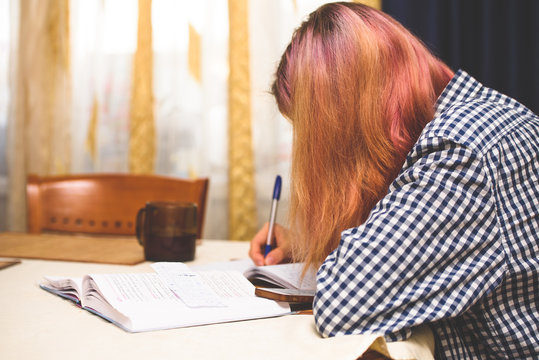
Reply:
x=38, y=325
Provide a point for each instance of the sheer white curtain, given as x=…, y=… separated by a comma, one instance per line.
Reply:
x=5, y=43
x=103, y=40
x=190, y=114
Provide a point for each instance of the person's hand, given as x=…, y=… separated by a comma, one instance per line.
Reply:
x=279, y=253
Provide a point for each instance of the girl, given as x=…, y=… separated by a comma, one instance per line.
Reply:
x=413, y=189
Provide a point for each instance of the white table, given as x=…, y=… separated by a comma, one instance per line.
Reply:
x=35, y=324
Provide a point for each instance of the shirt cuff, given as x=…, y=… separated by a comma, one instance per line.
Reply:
x=399, y=335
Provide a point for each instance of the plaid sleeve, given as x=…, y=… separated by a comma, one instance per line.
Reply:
x=429, y=249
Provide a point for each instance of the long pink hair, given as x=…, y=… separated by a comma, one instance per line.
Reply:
x=358, y=89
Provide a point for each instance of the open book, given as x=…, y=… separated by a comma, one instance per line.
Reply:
x=282, y=282
x=174, y=296
x=286, y=276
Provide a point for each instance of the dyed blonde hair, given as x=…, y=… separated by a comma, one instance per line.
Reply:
x=358, y=89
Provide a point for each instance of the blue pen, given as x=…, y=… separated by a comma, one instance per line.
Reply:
x=275, y=201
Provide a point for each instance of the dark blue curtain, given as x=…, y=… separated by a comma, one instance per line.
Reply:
x=495, y=41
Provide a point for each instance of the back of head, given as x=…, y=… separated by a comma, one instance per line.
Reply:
x=358, y=89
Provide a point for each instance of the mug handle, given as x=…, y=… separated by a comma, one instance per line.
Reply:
x=141, y=215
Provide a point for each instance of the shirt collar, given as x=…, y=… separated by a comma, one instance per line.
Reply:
x=461, y=87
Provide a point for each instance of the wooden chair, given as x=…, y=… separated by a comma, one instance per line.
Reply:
x=104, y=203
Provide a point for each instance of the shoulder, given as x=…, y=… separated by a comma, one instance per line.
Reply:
x=475, y=116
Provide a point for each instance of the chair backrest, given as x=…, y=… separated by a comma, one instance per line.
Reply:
x=104, y=203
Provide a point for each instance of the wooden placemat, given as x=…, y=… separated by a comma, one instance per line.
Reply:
x=4, y=263
x=107, y=250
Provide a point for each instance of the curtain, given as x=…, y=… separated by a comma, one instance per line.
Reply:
x=141, y=126
x=241, y=196
x=496, y=41
x=103, y=43
x=190, y=80
x=7, y=50
x=38, y=138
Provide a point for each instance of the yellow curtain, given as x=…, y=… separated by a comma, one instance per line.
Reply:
x=194, y=54
x=39, y=138
x=377, y=4
x=241, y=190
x=91, y=138
x=142, y=127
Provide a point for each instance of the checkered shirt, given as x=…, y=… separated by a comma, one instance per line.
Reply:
x=455, y=242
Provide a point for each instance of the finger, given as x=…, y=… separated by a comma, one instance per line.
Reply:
x=275, y=256
x=255, y=253
x=261, y=236
x=258, y=259
x=258, y=241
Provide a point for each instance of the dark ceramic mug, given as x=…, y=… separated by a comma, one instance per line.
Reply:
x=168, y=230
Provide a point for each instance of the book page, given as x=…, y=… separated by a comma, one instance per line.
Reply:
x=132, y=301
x=240, y=265
x=187, y=285
x=130, y=288
x=228, y=284
x=285, y=275
x=68, y=288
x=203, y=288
